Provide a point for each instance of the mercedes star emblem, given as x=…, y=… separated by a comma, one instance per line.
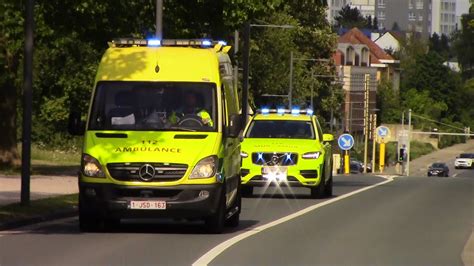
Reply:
x=146, y=172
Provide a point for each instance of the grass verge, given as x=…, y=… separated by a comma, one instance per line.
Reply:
x=37, y=209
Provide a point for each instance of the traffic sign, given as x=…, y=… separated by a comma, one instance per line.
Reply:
x=345, y=142
x=383, y=131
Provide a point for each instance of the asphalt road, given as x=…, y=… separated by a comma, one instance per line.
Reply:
x=409, y=221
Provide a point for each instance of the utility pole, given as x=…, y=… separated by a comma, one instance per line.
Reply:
x=366, y=119
x=374, y=126
x=236, y=62
x=290, y=93
x=159, y=19
x=408, y=144
x=245, y=65
x=27, y=102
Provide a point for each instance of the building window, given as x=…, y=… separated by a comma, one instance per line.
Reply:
x=411, y=16
x=410, y=4
x=381, y=14
x=381, y=3
x=350, y=56
x=420, y=17
x=364, y=57
x=419, y=4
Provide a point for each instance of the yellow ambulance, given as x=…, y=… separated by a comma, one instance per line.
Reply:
x=161, y=137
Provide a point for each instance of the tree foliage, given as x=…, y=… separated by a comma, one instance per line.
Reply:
x=71, y=36
x=349, y=17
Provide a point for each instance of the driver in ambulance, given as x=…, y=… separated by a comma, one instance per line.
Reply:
x=191, y=107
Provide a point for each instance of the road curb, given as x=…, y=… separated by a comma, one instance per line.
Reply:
x=69, y=212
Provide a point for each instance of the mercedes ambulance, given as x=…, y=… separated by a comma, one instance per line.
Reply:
x=286, y=148
x=161, y=137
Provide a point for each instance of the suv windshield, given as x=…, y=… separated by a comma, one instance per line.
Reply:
x=154, y=106
x=466, y=155
x=284, y=129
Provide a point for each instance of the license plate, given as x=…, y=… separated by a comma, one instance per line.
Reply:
x=274, y=173
x=147, y=205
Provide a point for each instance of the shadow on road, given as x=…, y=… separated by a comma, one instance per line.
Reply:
x=142, y=226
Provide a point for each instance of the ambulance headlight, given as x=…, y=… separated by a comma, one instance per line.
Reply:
x=91, y=166
x=244, y=154
x=311, y=155
x=205, y=168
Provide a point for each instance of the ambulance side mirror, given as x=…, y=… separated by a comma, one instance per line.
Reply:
x=76, y=126
x=233, y=130
x=328, y=137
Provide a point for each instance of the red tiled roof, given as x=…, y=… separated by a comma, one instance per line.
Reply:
x=355, y=36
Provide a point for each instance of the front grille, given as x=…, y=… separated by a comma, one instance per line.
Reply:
x=146, y=193
x=260, y=178
x=270, y=158
x=163, y=171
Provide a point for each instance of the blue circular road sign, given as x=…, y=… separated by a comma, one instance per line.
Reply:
x=345, y=142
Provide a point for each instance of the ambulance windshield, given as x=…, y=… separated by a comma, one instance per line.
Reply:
x=174, y=106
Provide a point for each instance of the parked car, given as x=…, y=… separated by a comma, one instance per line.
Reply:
x=464, y=160
x=358, y=167
x=438, y=169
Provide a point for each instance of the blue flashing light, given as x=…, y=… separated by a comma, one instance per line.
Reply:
x=280, y=111
x=224, y=43
x=154, y=42
x=265, y=111
x=295, y=111
x=206, y=43
x=260, y=157
x=309, y=112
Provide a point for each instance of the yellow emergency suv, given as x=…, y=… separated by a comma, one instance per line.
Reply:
x=286, y=148
x=161, y=137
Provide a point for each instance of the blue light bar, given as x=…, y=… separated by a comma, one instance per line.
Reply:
x=154, y=42
x=295, y=111
x=206, y=43
x=309, y=112
x=280, y=111
x=265, y=111
x=224, y=43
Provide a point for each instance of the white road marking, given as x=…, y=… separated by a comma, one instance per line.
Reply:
x=456, y=174
x=29, y=228
x=219, y=249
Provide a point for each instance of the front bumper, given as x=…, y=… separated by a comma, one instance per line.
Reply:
x=296, y=177
x=462, y=164
x=183, y=201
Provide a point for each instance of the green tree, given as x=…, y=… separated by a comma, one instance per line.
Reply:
x=388, y=102
x=464, y=44
x=349, y=18
x=11, y=44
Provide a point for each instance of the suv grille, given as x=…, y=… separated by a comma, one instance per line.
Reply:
x=270, y=158
x=131, y=171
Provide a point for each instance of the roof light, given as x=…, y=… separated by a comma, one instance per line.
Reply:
x=265, y=111
x=154, y=42
x=295, y=111
x=280, y=111
x=206, y=43
x=309, y=112
x=224, y=43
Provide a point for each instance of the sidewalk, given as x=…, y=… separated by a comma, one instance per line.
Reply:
x=41, y=186
x=419, y=166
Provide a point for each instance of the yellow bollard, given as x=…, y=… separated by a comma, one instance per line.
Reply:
x=382, y=156
x=346, y=163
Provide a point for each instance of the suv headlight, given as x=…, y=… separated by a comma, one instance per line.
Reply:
x=311, y=155
x=91, y=166
x=205, y=168
x=244, y=154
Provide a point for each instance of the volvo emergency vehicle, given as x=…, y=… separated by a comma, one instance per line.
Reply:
x=161, y=137
x=286, y=148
